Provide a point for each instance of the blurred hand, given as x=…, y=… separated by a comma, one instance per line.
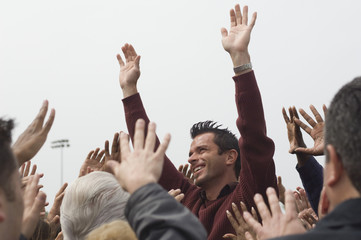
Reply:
x=93, y=162
x=187, y=173
x=33, y=138
x=177, y=194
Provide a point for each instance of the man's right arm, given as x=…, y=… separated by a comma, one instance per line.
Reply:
x=134, y=110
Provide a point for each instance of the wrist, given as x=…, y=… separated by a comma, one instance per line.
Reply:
x=240, y=58
x=129, y=90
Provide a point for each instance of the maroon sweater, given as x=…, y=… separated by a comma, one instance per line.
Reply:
x=257, y=166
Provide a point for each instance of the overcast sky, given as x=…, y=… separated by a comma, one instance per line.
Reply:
x=64, y=51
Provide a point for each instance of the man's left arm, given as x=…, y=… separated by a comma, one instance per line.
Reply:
x=257, y=166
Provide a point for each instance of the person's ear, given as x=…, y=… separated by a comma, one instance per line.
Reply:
x=231, y=157
x=324, y=204
x=334, y=168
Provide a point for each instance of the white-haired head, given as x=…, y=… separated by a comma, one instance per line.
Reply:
x=89, y=202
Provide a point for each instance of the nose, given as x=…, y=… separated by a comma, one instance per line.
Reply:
x=192, y=158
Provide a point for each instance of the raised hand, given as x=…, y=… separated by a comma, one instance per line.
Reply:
x=129, y=71
x=143, y=165
x=236, y=41
x=25, y=173
x=34, y=203
x=33, y=138
x=187, y=173
x=238, y=224
x=316, y=132
x=275, y=223
x=55, y=209
x=94, y=161
x=115, y=153
x=293, y=130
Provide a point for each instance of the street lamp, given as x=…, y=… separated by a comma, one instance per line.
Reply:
x=60, y=144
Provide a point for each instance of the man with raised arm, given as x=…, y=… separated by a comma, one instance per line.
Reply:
x=217, y=159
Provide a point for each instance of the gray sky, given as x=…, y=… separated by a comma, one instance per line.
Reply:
x=64, y=51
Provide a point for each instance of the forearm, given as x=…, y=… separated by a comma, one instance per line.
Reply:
x=302, y=159
x=154, y=214
x=129, y=90
x=311, y=174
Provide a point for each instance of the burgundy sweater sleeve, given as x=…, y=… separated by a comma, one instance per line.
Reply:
x=256, y=148
x=170, y=178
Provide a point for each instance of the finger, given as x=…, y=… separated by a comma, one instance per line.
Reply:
x=179, y=197
x=139, y=134
x=291, y=114
x=243, y=206
x=262, y=207
x=255, y=225
x=49, y=123
x=163, y=147
x=294, y=110
x=233, y=18
x=290, y=205
x=238, y=14
x=27, y=168
x=279, y=180
x=33, y=170
x=307, y=118
x=124, y=146
x=180, y=168
x=137, y=61
x=273, y=201
x=90, y=154
x=224, y=32
x=120, y=60
x=95, y=154
x=254, y=214
x=302, y=125
x=229, y=236
x=39, y=202
x=253, y=20
x=22, y=169
x=106, y=148
x=305, y=150
x=285, y=117
x=132, y=51
x=125, y=52
x=100, y=155
x=185, y=169
x=151, y=137
x=39, y=120
x=238, y=215
x=245, y=15
x=231, y=219
x=62, y=189
x=324, y=108
x=316, y=114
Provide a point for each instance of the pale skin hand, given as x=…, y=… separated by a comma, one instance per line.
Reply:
x=55, y=209
x=177, y=194
x=129, y=71
x=316, y=132
x=34, y=203
x=33, y=138
x=94, y=161
x=143, y=165
x=24, y=172
x=238, y=223
x=236, y=41
x=275, y=223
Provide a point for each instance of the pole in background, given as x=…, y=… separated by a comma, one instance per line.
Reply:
x=63, y=143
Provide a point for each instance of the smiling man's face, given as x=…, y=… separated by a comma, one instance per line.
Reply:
x=206, y=163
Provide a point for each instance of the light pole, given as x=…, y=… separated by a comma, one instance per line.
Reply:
x=60, y=144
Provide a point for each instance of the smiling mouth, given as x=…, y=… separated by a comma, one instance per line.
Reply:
x=195, y=170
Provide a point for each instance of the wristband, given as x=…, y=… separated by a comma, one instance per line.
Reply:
x=242, y=68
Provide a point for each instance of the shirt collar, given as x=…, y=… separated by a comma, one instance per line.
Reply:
x=225, y=191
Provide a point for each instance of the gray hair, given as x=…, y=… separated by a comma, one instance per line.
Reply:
x=343, y=129
x=89, y=202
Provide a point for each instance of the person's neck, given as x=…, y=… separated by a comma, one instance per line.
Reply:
x=214, y=188
x=342, y=192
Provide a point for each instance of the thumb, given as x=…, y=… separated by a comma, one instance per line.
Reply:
x=224, y=32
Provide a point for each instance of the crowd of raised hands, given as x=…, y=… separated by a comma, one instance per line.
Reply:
x=137, y=170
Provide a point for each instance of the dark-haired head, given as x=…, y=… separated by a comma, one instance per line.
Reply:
x=223, y=138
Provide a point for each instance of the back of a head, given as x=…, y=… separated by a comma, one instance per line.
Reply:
x=117, y=230
x=343, y=129
x=89, y=202
x=223, y=138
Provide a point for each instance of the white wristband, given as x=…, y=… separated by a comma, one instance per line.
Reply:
x=242, y=68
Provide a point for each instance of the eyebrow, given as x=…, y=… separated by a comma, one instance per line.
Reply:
x=197, y=148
